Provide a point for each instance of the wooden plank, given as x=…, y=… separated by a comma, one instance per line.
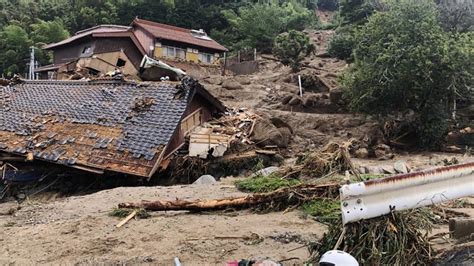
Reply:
x=128, y=218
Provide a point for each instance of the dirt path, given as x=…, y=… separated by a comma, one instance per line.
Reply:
x=79, y=230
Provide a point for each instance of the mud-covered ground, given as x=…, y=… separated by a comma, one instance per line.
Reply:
x=79, y=230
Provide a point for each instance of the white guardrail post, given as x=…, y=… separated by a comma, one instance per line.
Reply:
x=378, y=197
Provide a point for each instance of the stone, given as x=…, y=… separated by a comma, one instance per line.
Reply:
x=296, y=100
x=231, y=85
x=205, y=180
x=309, y=101
x=362, y=170
x=388, y=169
x=400, y=167
x=244, y=81
x=286, y=99
x=362, y=153
x=374, y=170
x=214, y=80
x=265, y=133
x=335, y=96
x=286, y=137
x=266, y=171
x=461, y=228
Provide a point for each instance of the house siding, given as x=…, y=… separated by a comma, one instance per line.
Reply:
x=144, y=38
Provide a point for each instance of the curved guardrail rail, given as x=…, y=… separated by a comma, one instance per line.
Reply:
x=377, y=197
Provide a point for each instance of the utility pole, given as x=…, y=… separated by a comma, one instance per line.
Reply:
x=31, y=72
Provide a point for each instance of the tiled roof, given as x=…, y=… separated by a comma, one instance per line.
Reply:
x=168, y=32
x=121, y=127
x=87, y=32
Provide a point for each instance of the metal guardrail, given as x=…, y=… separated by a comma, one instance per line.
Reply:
x=377, y=197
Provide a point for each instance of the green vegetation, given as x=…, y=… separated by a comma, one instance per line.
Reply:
x=122, y=213
x=257, y=25
x=342, y=44
x=322, y=209
x=260, y=184
x=236, y=24
x=292, y=47
x=404, y=61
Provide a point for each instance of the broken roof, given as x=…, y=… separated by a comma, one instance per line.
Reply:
x=101, y=125
x=100, y=31
x=173, y=33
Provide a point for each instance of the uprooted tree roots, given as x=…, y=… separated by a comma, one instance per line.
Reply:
x=399, y=238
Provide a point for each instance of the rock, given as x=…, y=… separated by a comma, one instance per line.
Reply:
x=374, y=170
x=214, y=80
x=205, y=180
x=362, y=170
x=231, y=85
x=286, y=137
x=388, y=169
x=362, y=153
x=461, y=228
x=310, y=100
x=265, y=133
x=244, y=81
x=296, y=100
x=286, y=99
x=335, y=96
x=400, y=167
x=266, y=171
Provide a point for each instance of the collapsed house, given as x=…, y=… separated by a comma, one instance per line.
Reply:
x=99, y=49
x=102, y=125
x=104, y=49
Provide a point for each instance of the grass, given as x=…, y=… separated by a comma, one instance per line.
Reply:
x=260, y=184
x=122, y=213
x=322, y=209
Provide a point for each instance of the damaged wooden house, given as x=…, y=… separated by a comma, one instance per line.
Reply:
x=103, y=125
x=99, y=49
x=106, y=48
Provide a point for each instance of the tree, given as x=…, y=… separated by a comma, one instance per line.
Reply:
x=44, y=32
x=404, y=61
x=257, y=25
x=14, y=50
x=292, y=47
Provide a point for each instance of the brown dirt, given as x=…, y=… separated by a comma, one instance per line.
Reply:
x=79, y=230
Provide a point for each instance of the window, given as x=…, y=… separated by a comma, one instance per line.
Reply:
x=86, y=50
x=174, y=52
x=120, y=62
x=206, y=58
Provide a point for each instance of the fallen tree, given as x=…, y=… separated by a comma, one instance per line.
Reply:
x=288, y=195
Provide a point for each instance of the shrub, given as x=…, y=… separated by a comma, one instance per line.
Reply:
x=342, y=44
x=292, y=47
x=404, y=61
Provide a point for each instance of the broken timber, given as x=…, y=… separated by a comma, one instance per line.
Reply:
x=302, y=192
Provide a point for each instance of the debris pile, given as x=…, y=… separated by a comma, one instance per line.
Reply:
x=399, y=238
